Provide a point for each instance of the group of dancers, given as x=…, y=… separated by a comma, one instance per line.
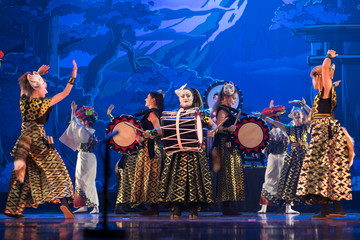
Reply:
x=314, y=173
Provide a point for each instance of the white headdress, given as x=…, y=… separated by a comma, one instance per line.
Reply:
x=35, y=80
x=180, y=90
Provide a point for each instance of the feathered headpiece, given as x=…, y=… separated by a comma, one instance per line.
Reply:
x=35, y=80
x=86, y=113
x=229, y=88
x=273, y=112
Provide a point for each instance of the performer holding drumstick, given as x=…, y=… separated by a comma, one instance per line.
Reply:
x=148, y=163
x=226, y=157
x=125, y=176
x=185, y=180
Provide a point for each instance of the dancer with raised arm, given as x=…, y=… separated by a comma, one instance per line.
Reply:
x=325, y=174
x=39, y=174
x=80, y=136
x=298, y=135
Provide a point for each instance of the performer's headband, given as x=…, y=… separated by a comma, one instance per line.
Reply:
x=229, y=88
x=35, y=80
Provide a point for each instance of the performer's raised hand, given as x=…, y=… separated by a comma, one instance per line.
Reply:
x=73, y=106
x=44, y=69
x=74, y=70
x=332, y=53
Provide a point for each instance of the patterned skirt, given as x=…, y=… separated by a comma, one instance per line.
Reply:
x=290, y=175
x=46, y=176
x=325, y=174
x=147, y=175
x=230, y=178
x=126, y=179
x=186, y=180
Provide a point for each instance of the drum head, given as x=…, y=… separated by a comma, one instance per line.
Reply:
x=215, y=88
x=252, y=135
x=125, y=141
x=199, y=129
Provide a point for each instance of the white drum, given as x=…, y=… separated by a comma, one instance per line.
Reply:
x=182, y=131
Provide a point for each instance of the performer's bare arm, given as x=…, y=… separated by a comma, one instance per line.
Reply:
x=156, y=123
x=325, y=71
x=60, y=96
x=270, y=120
x=302, y=104
x=221, y=116
x=73, y=109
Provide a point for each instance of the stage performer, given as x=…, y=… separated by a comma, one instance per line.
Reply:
x=226, y=157
x=325, y=174
x=148, y=163
x=35, y=159
x=185, y=180
x=277, y=149
x=125, y=172
x=299, y=136
x=80, y=136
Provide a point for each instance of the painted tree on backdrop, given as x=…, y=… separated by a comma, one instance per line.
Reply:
x=299, y=13
x=24, y=29
x=103, y=29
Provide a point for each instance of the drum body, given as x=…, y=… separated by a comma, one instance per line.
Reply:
x=251, y=135
x=182, y=131
x=125, y=141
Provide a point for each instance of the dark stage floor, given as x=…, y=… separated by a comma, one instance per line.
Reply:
x=209, y=225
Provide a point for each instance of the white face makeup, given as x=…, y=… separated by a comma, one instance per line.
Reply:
x=186, y=98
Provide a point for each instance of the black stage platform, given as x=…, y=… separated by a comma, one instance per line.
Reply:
x=47, y=222
x=207, y=226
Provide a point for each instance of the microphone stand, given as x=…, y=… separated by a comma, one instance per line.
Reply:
x=105, y=232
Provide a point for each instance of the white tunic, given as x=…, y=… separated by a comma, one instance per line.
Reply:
x=85, y=173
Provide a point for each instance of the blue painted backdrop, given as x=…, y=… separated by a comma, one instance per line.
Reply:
x=126, y=48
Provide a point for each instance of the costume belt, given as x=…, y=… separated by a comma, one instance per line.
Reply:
x=297, y=144
x=321, y=115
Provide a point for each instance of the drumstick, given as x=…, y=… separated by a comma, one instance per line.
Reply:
x=220, y=124
x=237, y=118
x=130, y=125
